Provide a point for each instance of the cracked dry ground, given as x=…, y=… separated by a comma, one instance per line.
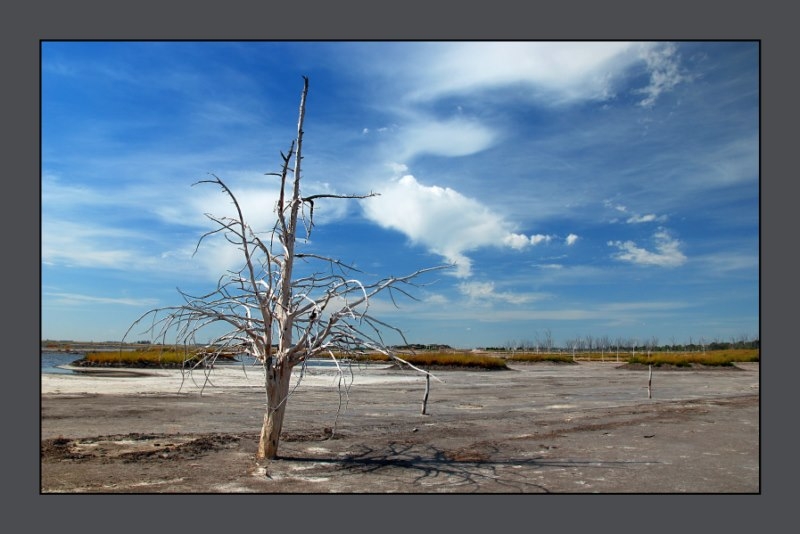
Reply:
x=535, y=429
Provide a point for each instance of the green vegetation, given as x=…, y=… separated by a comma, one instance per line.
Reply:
x=170, y=356
x=442, y=359
x=499, y=361
x=165, y=356
x=685, y=359
x=555, y=357
x=456, y=359
x=153, y=357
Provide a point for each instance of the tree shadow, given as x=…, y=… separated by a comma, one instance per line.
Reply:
x=469, y=469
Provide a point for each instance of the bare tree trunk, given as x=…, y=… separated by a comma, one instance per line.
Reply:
x=278, y=380
x=279, y=372
x=425, y=397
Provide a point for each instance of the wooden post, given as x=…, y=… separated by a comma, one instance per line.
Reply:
x=427, y=390
x=650, y=382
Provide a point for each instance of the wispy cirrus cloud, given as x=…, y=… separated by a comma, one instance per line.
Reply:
x=88, y=245
x=633, y=218
x=75, y=298
x=485, y=74
x=650, y=217
x=556, y=72
x=665, y=72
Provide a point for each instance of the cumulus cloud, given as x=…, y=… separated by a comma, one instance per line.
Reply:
x=667, y=251
x=521, y=241
x=540, y=238
x=517, y=241
x=443, y=220
x=571, y=239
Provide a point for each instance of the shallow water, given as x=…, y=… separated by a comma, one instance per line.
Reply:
x=50, y=362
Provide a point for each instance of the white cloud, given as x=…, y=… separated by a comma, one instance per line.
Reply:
x=667, y=251
x=485, y=292
x=436, y=299
x=724, y=262
x=477, y=290
x=449, y=138
x=84, y=226
x=87, y=245
x=74, y=298
x=517, y=241
x=552, y=73
x=650, y=217
x=521, y=241
x=398, y=168
x=665, y=74
x=96, y=246
x=257, y=202
x=633, y=218
x=540, y=238
x=571, y=239
x=443, y=220
x=56, y=194
x=557, y=71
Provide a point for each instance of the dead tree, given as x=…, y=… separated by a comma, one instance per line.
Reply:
x=282, y=319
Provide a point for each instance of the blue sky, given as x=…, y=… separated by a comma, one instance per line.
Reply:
x=581, y=188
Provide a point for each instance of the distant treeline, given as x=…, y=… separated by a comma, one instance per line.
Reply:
x=603, y=344
x=420, y=347
x=584, y=344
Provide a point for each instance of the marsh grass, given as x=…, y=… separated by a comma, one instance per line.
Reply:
x=456, y=359
x=167, y=356
x=684, y=359
x=540, y=357
x=171, y=356
x=442, y=359
x=133, y=357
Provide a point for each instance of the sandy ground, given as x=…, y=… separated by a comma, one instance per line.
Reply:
x=539, y=428
x=217, y=381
